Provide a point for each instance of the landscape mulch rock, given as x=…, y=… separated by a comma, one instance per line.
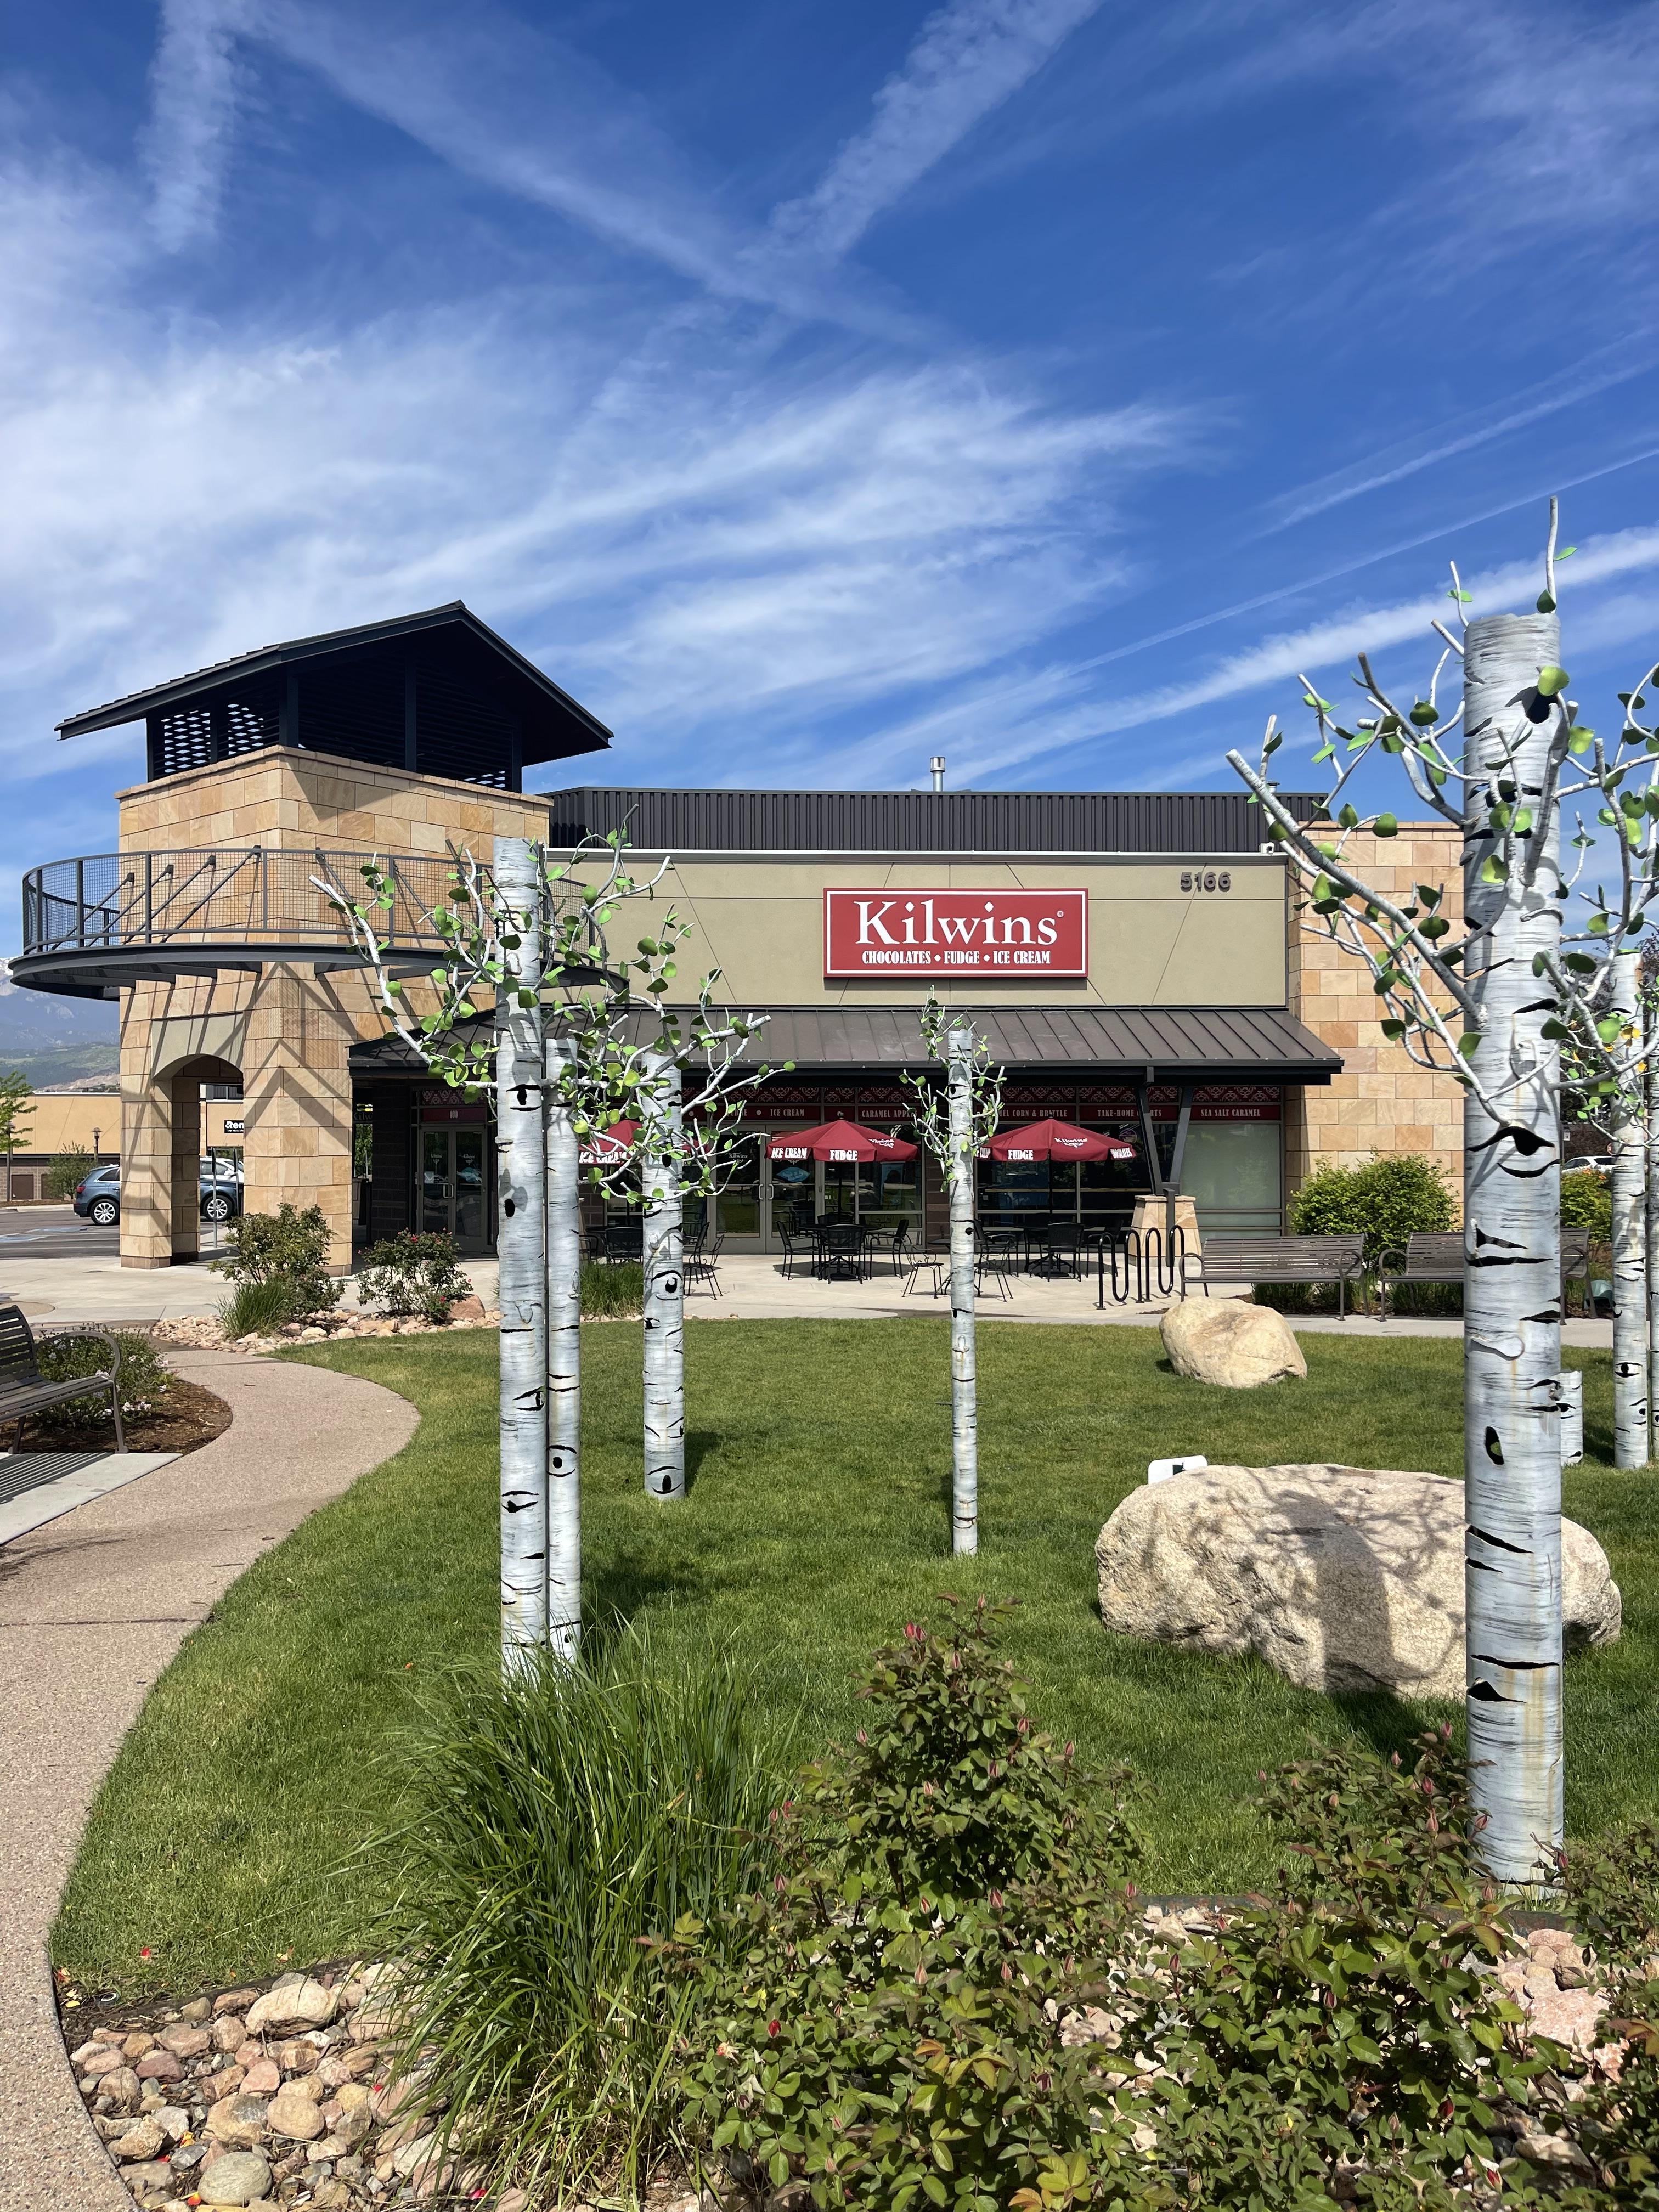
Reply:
x=200, y=1334
x=273, y=2094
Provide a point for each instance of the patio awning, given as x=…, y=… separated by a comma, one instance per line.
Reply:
x=1189, y=1045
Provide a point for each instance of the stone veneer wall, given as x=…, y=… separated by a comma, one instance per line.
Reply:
x=288, y=1031
x=1381, y=1101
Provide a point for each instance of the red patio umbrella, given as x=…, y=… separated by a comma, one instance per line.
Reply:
x=603, y=1147
x=839, y=1140
x=1058, y=1140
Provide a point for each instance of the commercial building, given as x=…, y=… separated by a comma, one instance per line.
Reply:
x=1133, y=959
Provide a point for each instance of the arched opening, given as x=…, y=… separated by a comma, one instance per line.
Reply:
x=161, y=1195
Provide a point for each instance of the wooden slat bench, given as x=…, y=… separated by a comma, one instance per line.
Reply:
x=1244, y=1259
x=24, y=1390
x=1436, y=1256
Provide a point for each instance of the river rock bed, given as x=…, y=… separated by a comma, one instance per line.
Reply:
x=266, y=2096
x=200, y=1332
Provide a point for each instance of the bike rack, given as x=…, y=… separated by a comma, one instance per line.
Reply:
x=1141, y=1265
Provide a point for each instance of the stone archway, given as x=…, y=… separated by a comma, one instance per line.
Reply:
x=160, y=1159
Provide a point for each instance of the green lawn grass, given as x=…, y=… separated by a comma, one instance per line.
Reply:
x=230, y=1833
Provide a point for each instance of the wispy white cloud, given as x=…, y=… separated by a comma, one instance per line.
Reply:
x=694, y=531
x=1590, y=376
x=968, y=59
x=194, y=86
x=1000, y=722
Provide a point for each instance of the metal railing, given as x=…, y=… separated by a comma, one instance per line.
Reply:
x=224, y=898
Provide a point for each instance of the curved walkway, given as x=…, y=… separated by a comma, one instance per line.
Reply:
x=92, y=1608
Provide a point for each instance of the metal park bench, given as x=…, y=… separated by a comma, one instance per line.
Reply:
x=1227, y=1260
x=1436, y=1256
x=24, y=1390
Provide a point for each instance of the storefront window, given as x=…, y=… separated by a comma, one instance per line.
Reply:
x=1232, y=1172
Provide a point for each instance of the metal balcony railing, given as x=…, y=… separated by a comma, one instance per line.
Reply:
x=116, y=910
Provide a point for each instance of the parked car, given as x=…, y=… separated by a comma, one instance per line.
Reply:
x=98, y=1198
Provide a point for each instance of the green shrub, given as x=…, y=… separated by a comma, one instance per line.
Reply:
x=618, y=1292
x=414, y=1274
x=144, y=1379
x=258, y=1308
x=1384, y=1201
x=1340, y=2039
x=892, y=2031
x=555, y=1820
x=1587, y=1203
x=68, y=1171
x=287, y=1248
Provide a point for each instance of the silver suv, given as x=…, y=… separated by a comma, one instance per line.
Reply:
x=98, y=1198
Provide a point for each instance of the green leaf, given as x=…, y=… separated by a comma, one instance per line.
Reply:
x=1464, y=598
x=1347, y=819
x=1567, y=553
x=1494, y=871
x=1424, y=715
x=1579, y=740
x=1394, y=1030
x=1598, y=925
x=1551, y=681
x=1386, y=826
x=1470, y=1043
x=1546, y=603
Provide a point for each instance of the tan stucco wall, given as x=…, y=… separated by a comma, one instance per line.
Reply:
x=759, y=919
x=1381, y=1101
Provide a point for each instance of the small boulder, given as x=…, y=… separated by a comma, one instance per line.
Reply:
x=470, y=1309
x=237, y=2122
x=296, y=2001
x=294, y=2113
x=235, y=2177
x=1340, y=1578
x=144, y=2140
x=122, y=2089
x=1226, y=1342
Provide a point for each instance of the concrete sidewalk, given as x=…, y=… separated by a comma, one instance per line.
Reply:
x=753, y=1287
x=92, y=1608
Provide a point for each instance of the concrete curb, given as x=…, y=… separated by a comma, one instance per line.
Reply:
x=92, y=1608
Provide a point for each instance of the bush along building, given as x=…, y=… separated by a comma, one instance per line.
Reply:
x=1133, y=959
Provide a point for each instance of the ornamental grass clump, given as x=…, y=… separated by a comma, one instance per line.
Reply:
x=888, y=2015
x=555, y=1818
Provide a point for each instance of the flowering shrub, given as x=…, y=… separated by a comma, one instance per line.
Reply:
x=144, y=1379
x=888, y=2015
x=414, y=1274
x=287, y=1250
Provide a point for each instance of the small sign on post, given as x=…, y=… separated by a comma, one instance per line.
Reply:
x=1162, y=1470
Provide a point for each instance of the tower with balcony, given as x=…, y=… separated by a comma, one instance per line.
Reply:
x=270, y=777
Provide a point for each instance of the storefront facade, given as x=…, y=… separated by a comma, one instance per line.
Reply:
x=1151, y=993
x=1134, y=960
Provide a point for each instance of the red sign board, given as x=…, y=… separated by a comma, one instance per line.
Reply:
x=1008, y=935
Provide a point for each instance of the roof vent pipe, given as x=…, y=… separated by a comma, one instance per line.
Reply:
x=937, y=767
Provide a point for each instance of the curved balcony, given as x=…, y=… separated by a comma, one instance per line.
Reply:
x=92, y=925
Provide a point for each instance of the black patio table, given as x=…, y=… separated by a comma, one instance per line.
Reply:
x=839, y=1250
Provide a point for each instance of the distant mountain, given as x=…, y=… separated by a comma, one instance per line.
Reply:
x=53, y=1040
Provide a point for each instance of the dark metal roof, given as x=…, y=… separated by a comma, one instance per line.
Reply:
x=555, y=726
x=919, y=821
x=1191, y=1045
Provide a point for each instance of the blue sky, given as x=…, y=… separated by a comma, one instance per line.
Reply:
x=811, y=386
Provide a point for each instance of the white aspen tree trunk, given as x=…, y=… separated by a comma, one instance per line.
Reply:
x=521, y=1192
x=664, y=1286
x=1512, y=1282
x=1653, y=1218
x=964, y=1409
x=1630, y=1287
x=564, y=1363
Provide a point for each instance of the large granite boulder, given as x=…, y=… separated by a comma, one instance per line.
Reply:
x=1341, y=1578
x=1225, y=1341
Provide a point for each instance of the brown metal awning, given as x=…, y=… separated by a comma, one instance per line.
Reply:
x=1191, y=1045
x=1137, y=1044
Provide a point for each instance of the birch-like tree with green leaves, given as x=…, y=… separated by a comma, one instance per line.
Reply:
x=1494, y=1003
x=955, y=1126
x=581, y=1036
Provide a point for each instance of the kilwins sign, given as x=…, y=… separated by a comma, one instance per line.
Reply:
x=918, y=933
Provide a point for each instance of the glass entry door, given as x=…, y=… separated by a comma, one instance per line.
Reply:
x=454, y=1185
